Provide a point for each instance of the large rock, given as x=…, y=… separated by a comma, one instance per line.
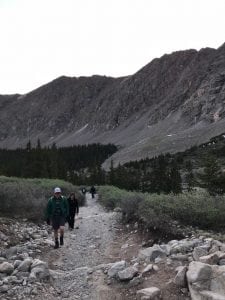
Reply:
x=6, y=268
x=212, y=259
x=184, y=246
x=204, y=279
x=39, y=271
x=151, y=253
x=152, y=293
x=198, y=252
x=117, y=267
x=208, y=295
x=25, y=265
x=180, y=279
x=127, y=274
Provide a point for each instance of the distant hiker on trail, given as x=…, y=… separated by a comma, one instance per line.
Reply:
x=73, y=209
x=92, y=191
x=83, y=190
x=56, y=214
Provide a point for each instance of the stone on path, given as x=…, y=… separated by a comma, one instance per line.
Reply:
x=151, y=293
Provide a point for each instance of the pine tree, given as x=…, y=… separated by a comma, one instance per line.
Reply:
x=111, y=174
x=210, y=178
x=175, y=179
x=189, y=177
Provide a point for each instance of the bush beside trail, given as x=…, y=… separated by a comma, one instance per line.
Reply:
x=27, y=198
x=164, y=211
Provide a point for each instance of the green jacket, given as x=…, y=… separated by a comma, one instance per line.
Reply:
x=52, y=205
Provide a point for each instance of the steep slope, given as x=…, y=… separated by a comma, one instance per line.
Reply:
x=172, y=103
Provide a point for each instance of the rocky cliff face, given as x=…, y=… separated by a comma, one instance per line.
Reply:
x=174, y=102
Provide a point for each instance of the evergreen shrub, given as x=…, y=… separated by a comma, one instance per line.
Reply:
x=196, y=208
x=27, y=198
x=130, y=206
x=111, y=197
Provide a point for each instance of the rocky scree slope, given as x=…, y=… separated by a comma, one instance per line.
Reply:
x=172, y=103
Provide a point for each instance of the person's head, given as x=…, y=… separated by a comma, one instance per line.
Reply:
x=57, y=192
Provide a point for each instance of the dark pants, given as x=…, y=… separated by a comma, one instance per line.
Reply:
x=71, y=220
x=57, y=221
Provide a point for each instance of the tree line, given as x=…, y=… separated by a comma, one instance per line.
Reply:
x=81, y=165
x=52, y=162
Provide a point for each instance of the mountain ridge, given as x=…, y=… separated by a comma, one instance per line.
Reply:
x=172, y=103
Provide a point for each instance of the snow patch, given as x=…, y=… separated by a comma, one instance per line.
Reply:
x=81, y=129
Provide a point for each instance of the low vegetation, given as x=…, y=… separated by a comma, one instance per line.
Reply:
x=27, y=198
x=162, y=211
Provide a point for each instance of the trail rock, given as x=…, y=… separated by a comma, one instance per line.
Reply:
x=6, y=268
x=127, y=274
x=198, y=252
x=211, y=259
x=117, y=267
x=25, y=265
x=152, y=293
x=11, y=251
x=147, y=269
x=206, y=279
x=151, y=253
x=180, y=279
x=211, y=295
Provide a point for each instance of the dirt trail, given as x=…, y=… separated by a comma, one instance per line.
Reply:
x=79, y=267
x=76, y=270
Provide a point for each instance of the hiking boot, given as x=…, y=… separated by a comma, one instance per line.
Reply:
x=61, y=240
x=56, y=244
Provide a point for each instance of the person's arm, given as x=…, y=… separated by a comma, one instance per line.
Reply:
x=77, y=207
x=48, y=211
x=66, y=207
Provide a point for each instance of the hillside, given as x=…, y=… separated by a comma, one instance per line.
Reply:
x=174, y=102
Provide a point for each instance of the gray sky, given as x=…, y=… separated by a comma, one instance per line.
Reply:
x=44, y=39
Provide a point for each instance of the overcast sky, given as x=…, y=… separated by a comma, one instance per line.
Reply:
x=44, y=39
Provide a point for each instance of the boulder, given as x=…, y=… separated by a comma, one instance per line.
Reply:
x=127, y=274
x=116, y=267
x=152, y=293
x=180, y=279
x=6, y=268
x=206, y=281
x=198, y=252
x=151, y=253
x=25, y=265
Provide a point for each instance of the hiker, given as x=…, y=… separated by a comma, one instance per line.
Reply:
x=73, y=209
x=83, y=190
x=92, y=191
x=56, y=215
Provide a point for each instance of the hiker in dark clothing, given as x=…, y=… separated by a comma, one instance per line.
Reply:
x=56, y=214
x=73, y=209
x=92, y=191
x=83, y=190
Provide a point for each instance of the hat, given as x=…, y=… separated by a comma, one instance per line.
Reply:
x=57, y=190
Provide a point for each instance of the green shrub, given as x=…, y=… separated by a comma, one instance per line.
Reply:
x=111, y=197
x=154, y=217
x=196, y=208
x=28, y=198
x=130, y=205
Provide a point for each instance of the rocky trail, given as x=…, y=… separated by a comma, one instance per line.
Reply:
x=77, y=267
x=106, y=260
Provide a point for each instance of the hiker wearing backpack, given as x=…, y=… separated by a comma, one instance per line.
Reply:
x=92, y=191
x=56, y=214
x=73, y=209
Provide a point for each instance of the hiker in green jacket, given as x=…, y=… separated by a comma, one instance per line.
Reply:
x=56, y=214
